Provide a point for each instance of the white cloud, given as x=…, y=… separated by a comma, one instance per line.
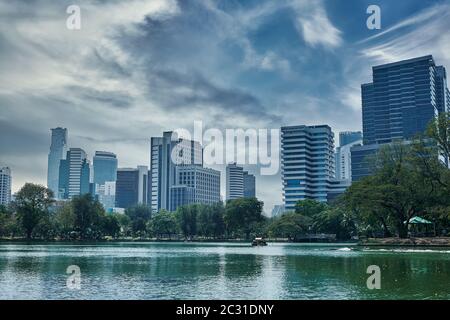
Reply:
x=314, y=25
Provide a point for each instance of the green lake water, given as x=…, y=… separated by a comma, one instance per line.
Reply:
x=141, y=270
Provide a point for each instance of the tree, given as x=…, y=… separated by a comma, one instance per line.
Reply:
x=163, y=223
x=396, y=192
x=243, y=214
x=290, y=225
x=335, y=220
x=31, y=204
x=65, y=220
x=88, y=215
x=187, y=219
x=8, y=223
x=139, y=217
x=309, y=207
x=110, y=225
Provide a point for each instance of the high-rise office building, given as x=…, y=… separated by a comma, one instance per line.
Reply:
x=74, y=174
x=399, y=104
x=343, y=168
x=402, y=99
x=203, y=186
x=166, y=153
x=307, y=163
x=5, y=185
x=131, y=186
x=58, y=148
x=249, y=185
x=347, y=137
x=105, y=167
x=234, y=181
x=106, y=194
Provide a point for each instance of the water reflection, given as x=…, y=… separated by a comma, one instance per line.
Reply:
x=219, y=271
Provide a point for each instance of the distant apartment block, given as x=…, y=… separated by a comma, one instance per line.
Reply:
x=5, y=185
x=234, y=181
x=195, y=184
x=307, y=163
x=343, y=168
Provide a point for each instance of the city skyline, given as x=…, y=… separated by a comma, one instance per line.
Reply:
x=112, y=97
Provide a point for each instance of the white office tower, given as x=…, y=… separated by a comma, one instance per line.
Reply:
x=5, y=185
x=307, y=163
x=107, y=194
x=166, y=153
x=58, y=148
x=234, y=181
x=77, y=161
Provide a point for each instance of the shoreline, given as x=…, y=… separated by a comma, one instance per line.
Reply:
x=408, y=242
x=371, y=242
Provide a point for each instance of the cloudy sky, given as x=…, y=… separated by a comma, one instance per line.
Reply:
x=137, y=68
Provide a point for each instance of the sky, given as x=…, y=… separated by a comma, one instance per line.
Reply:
x=138, y=68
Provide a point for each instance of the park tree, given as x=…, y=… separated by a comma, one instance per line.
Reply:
x=139, y=216
x=8, y=223
x=187, y=219
x=310, y=207
x=88, y=214
x=290, y=225
x=242, y=215
x=164, y=224
x=31, y=204
x=396, y=192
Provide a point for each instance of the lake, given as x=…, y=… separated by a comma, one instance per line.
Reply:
x=153, y=270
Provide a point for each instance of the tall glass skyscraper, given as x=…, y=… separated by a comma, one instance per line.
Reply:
x=402, y=99
x=105, y=167
x=57, y=152
x=307, y=163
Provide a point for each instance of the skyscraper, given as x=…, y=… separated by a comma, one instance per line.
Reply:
x=57, y=152
x=402, y=99
x=343, y=168
x=347, y=137
x=249, y=185
x=166, y=153
x=400, y=103
x=131, y=186
x=234, y=181
x=195, y=184
x=105, y=167
x=74, y=174
x=307, y=163
x=5, y=185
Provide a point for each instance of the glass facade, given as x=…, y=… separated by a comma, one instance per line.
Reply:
x=105, y=167
x=402, y=99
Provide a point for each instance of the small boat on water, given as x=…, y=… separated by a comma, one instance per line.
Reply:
x=259, y=242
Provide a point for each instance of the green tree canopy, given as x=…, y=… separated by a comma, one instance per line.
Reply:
x=243, y=214
x=31, y=204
